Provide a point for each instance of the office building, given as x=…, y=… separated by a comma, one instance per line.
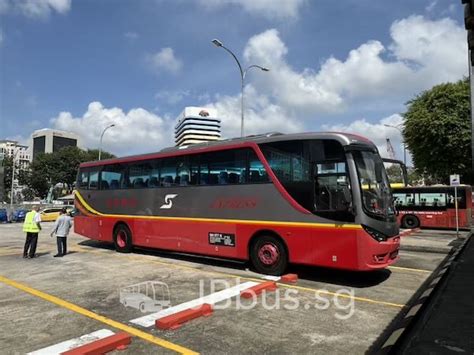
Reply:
x=197, y=125
x=21, y=157
x=19, y=152
x=51, y=140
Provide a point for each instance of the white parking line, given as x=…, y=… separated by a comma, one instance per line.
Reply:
x=73, y=343
x=213, y=298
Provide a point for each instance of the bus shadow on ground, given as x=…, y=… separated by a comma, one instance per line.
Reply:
x=357, y=279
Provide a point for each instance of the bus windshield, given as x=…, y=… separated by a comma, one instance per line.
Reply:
x=375, y=187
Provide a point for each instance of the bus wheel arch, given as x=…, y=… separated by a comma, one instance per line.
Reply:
x=268, y=252
x=410, y=221
x=122, y=237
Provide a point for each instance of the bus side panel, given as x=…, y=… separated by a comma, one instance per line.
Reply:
x=186, y=236
x=329, y=247
x=87, y=226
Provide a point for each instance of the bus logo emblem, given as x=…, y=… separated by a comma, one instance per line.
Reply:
x=169, y=201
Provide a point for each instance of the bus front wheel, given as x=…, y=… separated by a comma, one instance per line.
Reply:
x=410, y=221
x=123, y=239
x=268, y=255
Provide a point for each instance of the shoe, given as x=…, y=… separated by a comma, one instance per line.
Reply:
x=25, y=256
x=57, y=256
x=31, y=256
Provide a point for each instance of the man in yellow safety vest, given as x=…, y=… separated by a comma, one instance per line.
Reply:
x=31, y=227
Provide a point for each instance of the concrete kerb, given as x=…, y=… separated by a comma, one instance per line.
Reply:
x=393, y=334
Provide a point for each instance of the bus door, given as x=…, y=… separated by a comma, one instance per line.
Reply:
x=333, y=198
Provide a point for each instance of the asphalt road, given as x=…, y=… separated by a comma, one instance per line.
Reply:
x=46, y=300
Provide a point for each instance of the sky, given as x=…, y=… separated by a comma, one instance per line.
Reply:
x=348, y=65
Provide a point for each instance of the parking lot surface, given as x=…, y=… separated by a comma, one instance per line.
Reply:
x=45, y=301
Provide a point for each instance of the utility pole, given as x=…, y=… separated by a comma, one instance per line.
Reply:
x=469, y=25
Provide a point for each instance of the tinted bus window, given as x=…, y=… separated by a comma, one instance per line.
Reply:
x=223, y=167
x=139, y=175
x=111, y=177
x=84, y=180
x=93, y=180
x=257, y=172
x=183, y=173
x=405, y=199
x=226, y=167
x=288, y=160
x=168, y=172
x=154, y=180
x=434, y=199
x=461, y=198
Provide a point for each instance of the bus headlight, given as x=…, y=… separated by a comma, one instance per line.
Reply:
x=378, y=236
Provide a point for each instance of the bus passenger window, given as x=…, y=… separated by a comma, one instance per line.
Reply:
x=257, y=172
x=110, y=177
x=183, y=172
x=332, y=190
x=225, y=167
x=154, y=174
x=84, y=180
x=139, y=175
x=93, y=180
x=168, y=172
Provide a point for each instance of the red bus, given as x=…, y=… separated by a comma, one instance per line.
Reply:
x=433, y=206
x=312, y=198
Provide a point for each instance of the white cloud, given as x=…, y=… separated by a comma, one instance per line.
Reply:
x=279, y=9
x=165, y=60
x=136, y=131
x=35, y=8
x=422, y=53
x=4, y=6
x=260, y=115
x=171, y=97
x=377, y=132
x=131, y=35
x=431, y=6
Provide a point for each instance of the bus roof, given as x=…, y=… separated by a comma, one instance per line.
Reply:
x=344, y=138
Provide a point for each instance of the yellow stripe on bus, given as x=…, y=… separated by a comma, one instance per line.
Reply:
x=217, y=220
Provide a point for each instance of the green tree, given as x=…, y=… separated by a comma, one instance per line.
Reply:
x=93, y=154
x=58, y=167
x=438, y=131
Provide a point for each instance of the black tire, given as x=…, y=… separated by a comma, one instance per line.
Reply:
x=142, y=307
x=269, y=255
x=123, y=239
x=410, y=222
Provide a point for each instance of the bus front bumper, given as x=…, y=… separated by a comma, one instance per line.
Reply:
x=382, y=254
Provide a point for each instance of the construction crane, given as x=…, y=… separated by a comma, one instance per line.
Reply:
x=390, y=150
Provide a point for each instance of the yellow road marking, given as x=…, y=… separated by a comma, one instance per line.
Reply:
x=409, y=269
x=240, y=221
x=19, y=253
x=85, y=312
x=361, y=299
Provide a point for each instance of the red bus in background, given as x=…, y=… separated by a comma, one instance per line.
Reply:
x=433, y=206
x=313, y=198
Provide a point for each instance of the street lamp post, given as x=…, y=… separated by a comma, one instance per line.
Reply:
x=404, y=145
x=102, y=136
x=12, y=191
x=243, y=73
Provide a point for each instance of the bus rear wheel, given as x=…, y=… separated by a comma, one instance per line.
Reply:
x=268, y=255
x=123, y=239
x=410, y=221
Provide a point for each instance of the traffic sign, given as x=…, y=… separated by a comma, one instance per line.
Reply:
x=454, y=180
